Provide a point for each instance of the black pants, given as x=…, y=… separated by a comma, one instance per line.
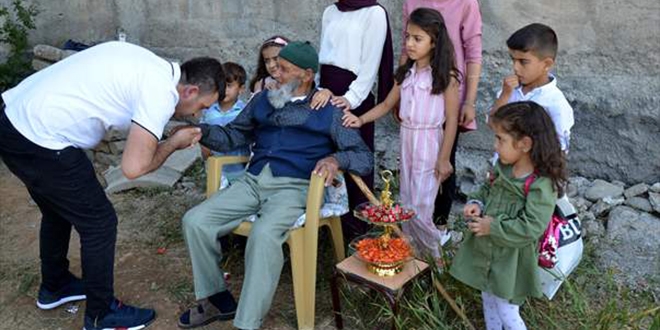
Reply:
x=64, y=186
x=445, y=198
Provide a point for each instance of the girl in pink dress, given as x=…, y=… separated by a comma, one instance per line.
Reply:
x=427, y=86
x=463, y=22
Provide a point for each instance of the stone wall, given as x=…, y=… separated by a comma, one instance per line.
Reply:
x=608, y=65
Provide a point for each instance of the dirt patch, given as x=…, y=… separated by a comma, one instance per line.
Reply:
x=148, y=220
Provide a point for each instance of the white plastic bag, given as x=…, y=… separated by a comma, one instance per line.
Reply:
x=569, y=253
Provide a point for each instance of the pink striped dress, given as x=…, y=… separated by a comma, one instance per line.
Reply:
x=422, y=115
x=463, y=22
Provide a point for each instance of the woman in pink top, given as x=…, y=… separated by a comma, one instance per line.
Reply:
x=427, y=88
x=463, y=22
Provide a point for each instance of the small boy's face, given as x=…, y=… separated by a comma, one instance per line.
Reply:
x=529, y=68
x=232, y=91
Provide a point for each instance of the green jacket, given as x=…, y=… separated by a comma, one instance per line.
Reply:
x=505, y=262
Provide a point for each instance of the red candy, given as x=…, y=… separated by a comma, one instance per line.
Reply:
x=395, y=213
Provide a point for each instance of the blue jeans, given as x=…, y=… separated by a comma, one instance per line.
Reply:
x=64, y=186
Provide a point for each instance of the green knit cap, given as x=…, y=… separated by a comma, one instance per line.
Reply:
x=301, y=54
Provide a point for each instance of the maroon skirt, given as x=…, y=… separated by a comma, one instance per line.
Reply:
x=337, y=80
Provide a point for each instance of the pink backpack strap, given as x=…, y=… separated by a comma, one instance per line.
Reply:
x=528, y=182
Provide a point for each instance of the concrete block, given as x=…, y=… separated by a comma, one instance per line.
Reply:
x=164, y=177
x=181, y=160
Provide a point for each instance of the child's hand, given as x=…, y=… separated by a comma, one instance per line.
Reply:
x=510, y=83
x=270, y=85
x=351, y=120
x=320, y=99
x=341, y=103
x=443, y=169
x=468, y=113
x=480, y=226
x=471, y=211
x=395, y=114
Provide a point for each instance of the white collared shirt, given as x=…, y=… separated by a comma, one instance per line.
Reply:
x=354, y=41
x=555, y=104
x=75, y=101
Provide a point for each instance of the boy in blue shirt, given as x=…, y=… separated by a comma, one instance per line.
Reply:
x=225, y=111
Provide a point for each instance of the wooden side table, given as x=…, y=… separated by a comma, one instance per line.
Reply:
x=354, y=270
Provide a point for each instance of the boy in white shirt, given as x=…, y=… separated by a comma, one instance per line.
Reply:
x=533, y=50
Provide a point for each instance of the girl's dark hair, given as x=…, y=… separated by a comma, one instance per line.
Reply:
x=443, y=62
x=262, y=72
x=527, y=118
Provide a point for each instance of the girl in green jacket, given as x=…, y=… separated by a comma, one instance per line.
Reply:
x=499, y=255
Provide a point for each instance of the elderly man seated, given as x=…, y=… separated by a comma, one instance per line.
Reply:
x=291, y=141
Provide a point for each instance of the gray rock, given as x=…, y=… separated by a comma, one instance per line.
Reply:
x=115, y=135
x=164, y=177
x=600, y=209
x=467, y=186
x=618, y=183
x=640, y=203
x=102, y=147
x=47, y=52
x=593, y=228
x=614, y=201
x=636, y=190
x=654, y=199
x=107, y=159
x=38, y=64
x=587, y=216
x=605, y=205
x=577, y=186
x=655, y=187
x=580, y=204
x=631, y=245
x=188, y=185
x=601, y=189
x=181, y=160
x=116, y=147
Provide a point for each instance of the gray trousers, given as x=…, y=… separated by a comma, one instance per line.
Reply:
x=278, y=202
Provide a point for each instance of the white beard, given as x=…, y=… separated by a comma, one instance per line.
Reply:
x=280, y=96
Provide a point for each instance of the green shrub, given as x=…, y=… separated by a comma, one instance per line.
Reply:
x=17, y=20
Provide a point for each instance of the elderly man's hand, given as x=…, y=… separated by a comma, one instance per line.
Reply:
x=186, y=137
x=327, y=165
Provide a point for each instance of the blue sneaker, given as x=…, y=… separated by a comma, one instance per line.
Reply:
x=122, y=317
x=71, y=292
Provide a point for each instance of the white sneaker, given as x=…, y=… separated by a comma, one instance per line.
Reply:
x=445, y=236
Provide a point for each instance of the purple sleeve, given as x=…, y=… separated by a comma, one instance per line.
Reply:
x=403, y=28
x=471, y=33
